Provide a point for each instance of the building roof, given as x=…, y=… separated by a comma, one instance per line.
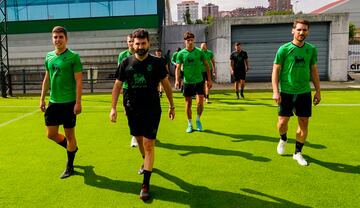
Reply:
x=328, y=6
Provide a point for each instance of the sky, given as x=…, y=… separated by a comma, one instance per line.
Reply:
x=227, y=5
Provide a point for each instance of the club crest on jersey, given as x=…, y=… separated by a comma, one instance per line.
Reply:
x=149, y=68
x=139, y=81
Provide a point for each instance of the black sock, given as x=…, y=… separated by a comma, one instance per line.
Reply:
x=147, y=175
x=143, y=157
x=237, y=93
x=63, y=143
x=71, y=157
x=298, y=147
x=283, y=137
x=242, y=91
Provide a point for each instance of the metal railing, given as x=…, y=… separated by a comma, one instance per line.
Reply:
x=30, y=80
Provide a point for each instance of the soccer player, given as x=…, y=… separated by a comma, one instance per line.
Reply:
x=142, y=72
x=173, y=61
x=295, y=63
x=190, y=59
x=158, y=53
x=239, y=65
x=122, y=56
x=209, y=55
x=64, y=78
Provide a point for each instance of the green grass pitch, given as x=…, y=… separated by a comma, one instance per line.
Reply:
x=233, y=163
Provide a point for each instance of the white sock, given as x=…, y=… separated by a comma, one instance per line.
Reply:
x=197, y=117
x=189, y=122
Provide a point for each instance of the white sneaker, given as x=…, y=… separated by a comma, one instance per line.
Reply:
x=300, y=159
x=281, y=147
x=134, y=142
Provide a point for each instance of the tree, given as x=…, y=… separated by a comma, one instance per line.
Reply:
x=278, y=12
x=352, y=29
x=186, y=17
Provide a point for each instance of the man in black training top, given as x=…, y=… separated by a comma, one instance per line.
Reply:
x=239, y=66
x=141, y=100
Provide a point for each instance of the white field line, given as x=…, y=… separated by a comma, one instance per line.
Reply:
x=18, y=118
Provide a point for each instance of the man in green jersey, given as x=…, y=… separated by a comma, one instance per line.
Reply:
x=122, y=56
x=190, y=59
x=173, y=61
x=64, y=78
x=295, y=63
x=209, y=55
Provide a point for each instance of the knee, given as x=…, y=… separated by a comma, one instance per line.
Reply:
x=52, y=135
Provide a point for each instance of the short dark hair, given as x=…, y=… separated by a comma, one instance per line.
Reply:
x=158, y=50
x=179, y=49
x=237, y=43
x=130, y=36
x=59, y=29
x=301, y=21
x=188, y=35
x=141, y=33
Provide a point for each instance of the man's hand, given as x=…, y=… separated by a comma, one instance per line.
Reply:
x=277, y=97
x=77, y=108
x=172, y=113
x=209, y=84
x=317, y=98
x=42, y=106
x=113, y=115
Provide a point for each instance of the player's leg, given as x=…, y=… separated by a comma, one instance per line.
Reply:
x=242, y=86
x=199, y=104
x=189, y=92
x=52, y=121
x=303, y=111
x=140, y=140
x=71, y=152
x=285, y=111
x=53, y=134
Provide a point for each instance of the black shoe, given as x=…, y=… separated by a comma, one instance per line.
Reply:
x=242, y=95
x=144, y=193
x=67, y=172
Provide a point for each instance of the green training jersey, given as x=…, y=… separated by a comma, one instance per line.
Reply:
x=61, y=69
x=121, y=57
x=209, y=55
x=192, y=64
x=173, y=58
x=296, y=62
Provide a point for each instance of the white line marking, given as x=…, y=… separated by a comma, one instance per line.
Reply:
x=18, y=118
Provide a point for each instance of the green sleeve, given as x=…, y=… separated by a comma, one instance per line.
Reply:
x=279, y=57
x=314, y=57
x=77, y=63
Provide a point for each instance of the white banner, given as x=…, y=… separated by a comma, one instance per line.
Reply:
x=354, y=58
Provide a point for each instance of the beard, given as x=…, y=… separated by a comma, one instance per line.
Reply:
x=141, y=52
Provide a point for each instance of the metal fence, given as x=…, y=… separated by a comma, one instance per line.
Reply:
x=354, y=58
x=30, y=80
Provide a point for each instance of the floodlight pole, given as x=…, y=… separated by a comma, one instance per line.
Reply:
x=5, y=79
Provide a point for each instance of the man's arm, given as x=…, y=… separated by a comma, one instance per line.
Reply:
x=78, y=79
x=247, y=64
x=275, y=83
x=232, y=67
x=316, y=81
x=167, y=88
x=207, y=67
x=115, y=96
x=44, y=89
x=214, y=68
x=177, y=75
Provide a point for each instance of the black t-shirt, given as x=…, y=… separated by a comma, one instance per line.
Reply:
x=142, y=78
x=239, y=60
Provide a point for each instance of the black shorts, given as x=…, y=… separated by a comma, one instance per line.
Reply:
x=60, y=114
x=193, y=89
x=239, y=75
x=205, y=77
x=143, y=122
x=300, y=104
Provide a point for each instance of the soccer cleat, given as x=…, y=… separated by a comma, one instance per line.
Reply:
x=67, y=172
x=144, y=193
x=206, y=100
x=189, y=129
x=141, y=170
x=134, y=142
x=198, y=125
x=281, y=147
x=300, y=159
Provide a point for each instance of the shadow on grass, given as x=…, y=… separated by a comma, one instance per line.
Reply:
x=338, y=167
x=208, y=150
x=192, y=195
x=250, y=137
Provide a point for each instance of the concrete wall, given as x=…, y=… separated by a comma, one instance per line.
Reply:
x=219, y=40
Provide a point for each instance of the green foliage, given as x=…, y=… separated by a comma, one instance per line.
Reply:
x=352, y=29
x=282, y=12
x=233, y=163
x=187, y=17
